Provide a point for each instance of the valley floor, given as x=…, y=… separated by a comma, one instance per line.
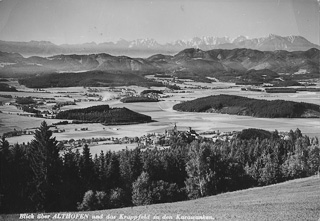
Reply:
x=162, y=113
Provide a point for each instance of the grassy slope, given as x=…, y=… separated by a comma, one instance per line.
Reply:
x=293, y=200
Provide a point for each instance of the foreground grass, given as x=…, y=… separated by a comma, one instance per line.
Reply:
x=293, y=200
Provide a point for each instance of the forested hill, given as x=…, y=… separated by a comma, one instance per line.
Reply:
x=231, y=104
x=87, y=78
x=104, y=114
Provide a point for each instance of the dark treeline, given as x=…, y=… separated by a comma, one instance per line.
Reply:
x=281, y=90
x=138, y=99
x=232, y=104
x=104, y=114
x=151, y=91
x=37, y=177
x=6, y=95
x=88, y=79
x=291, y=90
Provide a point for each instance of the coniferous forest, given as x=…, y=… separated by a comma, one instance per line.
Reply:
x=41, y=176
x=104, y=114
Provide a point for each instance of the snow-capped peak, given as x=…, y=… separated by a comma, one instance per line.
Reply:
x=147, y=42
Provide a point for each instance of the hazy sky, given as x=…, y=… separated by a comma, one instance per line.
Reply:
x=79, y=21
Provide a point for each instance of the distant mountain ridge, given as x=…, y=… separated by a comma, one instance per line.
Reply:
x=147, y=47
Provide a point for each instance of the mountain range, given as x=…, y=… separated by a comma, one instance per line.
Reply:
x=193, y=63
x=147, y=47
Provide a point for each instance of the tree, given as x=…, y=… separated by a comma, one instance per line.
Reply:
x=294, y=167
x=20, y=183
x=71, y=179
x=43, y=154
x=101, y=170
x=130, y=169
x=118, y=198
x=174, y=166
x=314, y=160
x=130, y=166
x=113, y=172
x=270, y=173
x=86, y=168
x=4, y=174
x=164, y=192
x=153, y=164
x=141, y=190
x=199, y=171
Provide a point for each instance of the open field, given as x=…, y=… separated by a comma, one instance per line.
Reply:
x=289, y=201
x=163, y=114
x=9, y=122
x=4, y=100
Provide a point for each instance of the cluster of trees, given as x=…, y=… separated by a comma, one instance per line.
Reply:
x=25, y=100
x=247, y=134
x=232, y=104
x=173, y=87
x=40, y=176
x=104, y=114
x=144, y=92
x=87, y=79
x=6, y=87
x=138, y=99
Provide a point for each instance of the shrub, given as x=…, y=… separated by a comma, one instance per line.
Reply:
x=118, y=198
x=93, y=201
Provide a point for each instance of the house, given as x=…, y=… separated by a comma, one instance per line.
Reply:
x=26, y=114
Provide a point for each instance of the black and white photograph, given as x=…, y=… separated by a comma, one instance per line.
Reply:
x=160, y=110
